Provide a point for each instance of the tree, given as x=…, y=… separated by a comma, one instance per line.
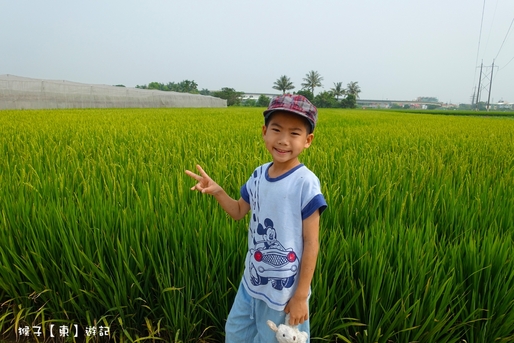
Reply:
x=306, y=93
x=349, y=102
x=230, y=94
x=157, y=85
x=312, y=80
x=185, y=86
x=263, y=101
x=354, y=89
x=249, y=103
x=188, y=86
x=283, y=84
x=338, y=90
x=325, y=100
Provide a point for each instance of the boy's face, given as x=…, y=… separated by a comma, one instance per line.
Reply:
x=285, y=137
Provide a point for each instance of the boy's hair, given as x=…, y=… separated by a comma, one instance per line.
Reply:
x=297, y=104
x=308, y=125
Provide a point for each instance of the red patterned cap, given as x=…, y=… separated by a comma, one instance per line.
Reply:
x=297, y=104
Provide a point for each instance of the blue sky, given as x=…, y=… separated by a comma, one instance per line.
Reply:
x=395, y=49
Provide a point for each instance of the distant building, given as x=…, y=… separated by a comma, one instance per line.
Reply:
x=429, y=99
x=255, y=96
x=503, y=105
x=420, y=103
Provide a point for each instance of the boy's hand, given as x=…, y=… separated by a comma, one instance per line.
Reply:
x=297, y=309
x=205, y=183
x=237, y=209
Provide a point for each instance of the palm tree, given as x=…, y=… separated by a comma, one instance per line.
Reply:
x=283, y=84
x=338, y=90
x=354, y=89
x=312, y=79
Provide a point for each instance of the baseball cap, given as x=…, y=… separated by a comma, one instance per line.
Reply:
x=297, y=104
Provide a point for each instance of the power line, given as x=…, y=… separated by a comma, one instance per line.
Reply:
x=507, y=64
x=508, y=31
x=480, y=34
x=491, y=28
x=485, y=80
x=479, y=41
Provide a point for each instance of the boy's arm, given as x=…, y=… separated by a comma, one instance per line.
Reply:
x=297, y=306
x=237, y=209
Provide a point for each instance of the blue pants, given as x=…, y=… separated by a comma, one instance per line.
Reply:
x=246, y=322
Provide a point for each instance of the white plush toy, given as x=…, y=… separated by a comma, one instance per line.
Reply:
x=287, y=333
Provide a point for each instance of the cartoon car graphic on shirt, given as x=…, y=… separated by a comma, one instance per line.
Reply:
x=270, y=261
x=275, y=265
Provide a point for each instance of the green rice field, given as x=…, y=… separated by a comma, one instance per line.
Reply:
x=99, y=228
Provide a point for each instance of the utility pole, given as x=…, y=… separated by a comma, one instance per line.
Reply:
x=490, y=87
x=478, y=89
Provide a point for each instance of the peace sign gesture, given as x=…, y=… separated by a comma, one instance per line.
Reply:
x=237, y=209
x=205, y=183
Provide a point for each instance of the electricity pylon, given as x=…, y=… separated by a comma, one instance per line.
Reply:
x=485, y=83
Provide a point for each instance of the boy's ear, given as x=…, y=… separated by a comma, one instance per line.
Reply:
x=264, y=128
x=308, y=140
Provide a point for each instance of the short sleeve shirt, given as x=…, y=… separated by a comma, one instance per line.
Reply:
x=275, y=238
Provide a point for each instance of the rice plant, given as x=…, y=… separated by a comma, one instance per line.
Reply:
x=98, y=226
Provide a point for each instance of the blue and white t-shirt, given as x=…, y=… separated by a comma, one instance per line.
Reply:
x=275, y=240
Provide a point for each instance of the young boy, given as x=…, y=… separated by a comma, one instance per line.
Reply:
x=286, y=203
